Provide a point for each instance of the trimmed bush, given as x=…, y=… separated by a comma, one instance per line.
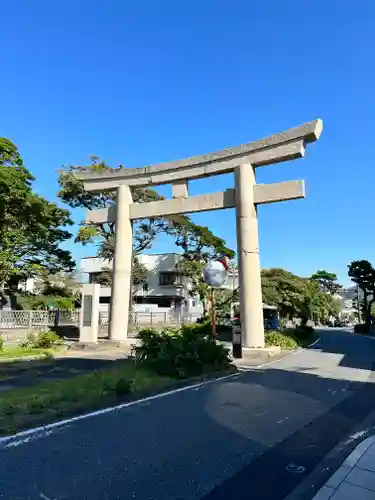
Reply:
x=291, y=338
x=361, y=328
x=181, y=353
x=1, y=343
x=280, y=339
x=41, y=340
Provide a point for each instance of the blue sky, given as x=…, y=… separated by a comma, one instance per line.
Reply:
x=143, y=82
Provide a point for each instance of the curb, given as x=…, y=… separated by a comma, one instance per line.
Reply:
x=338, y=477
x=287, y=354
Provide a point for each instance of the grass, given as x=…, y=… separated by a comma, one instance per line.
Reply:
x=21, y=352
x=20, y=408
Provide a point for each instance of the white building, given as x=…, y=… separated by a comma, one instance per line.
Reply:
x=347, y=298
x=166, y=287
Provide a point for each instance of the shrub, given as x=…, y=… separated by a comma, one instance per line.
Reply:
x=181, y=353
x=119, y=386
x=41, y=340
x=123, y=386
x=1, y=343
x=361, y=328
x=283, y=340
x=301, y=333
x=40, y=302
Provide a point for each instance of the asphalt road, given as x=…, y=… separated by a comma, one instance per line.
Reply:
x=255, y=435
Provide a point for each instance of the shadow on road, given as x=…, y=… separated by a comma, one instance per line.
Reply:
x=277, y=470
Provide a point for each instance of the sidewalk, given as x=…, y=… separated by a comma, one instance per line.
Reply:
x=355, y=479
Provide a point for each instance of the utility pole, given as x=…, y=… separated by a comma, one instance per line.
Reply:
x=358, y=306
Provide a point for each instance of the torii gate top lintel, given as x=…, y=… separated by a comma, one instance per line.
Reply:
x=276, y=148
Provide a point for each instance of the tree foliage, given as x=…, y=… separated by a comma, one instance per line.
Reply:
x=199, y=247
x=144, y=231
x=198, y=243
x=31, y=227
x=285, y=290
x=326, y=281
x=362, y=273
x=295, y=296
x=139, y=274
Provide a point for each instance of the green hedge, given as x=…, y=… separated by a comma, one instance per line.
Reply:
x=291, y=338
x=280, y=339
x=181, y=353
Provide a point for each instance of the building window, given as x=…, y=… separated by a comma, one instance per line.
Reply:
x=145, y=287
x=170, y=279
x=94, y=277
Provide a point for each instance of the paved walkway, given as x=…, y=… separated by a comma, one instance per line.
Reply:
x=355, y=479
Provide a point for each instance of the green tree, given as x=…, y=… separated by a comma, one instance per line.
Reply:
x=327, y=281
x=62, y=284
x=31, y=227
x=362, y=273
x=139, y=274
x=295, y=296
x=199, y=246
x=319, y=305
x=285, y=290
x=144, y=231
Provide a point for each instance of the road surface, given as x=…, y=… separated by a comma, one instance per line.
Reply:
x=255, y=435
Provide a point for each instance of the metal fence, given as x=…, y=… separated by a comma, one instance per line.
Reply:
x=152, y=318
x=70, y=317
x=38, y=319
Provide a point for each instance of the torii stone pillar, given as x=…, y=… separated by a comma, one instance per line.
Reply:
x=247, y=195
x=122, y=267
x=251, y=308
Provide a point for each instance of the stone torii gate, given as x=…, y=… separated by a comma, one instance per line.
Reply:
x=243, y=161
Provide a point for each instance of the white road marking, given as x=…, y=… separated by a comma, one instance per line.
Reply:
x=18, y=442
x=42, y=431
x=283, y=420
x=295, y=469
x=289, y=356
x=44, y=497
